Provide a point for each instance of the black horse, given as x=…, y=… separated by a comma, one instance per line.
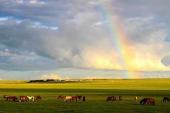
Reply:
x=166, y=99
x=110, y=98
x=147, y=101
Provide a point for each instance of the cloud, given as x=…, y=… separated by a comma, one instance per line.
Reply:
x=149, y=42
x=24, y=61
x=146, y=30
x=97, y=77
x=40, y=34
x=166, y=61
x=48, y=41
x=3, y=18
x=51, y=76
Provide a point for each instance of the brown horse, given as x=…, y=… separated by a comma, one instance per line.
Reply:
x=147, y=101
x=79, y=97
x=120, y=98
x=111, y=98
x=38, y=97
x=10, y=98
x=23, y=99
x=70, y=98
x=61, y=97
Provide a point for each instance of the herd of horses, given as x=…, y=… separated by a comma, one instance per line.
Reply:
x=143, y=101
x=36, y=98
x=21, y=98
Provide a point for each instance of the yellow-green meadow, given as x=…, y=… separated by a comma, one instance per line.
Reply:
x=95, y=91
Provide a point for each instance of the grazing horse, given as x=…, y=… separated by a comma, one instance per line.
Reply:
x=147, y=101
x=79, y=97
x=84, y=98
x=68, y=98
x=23, y=99
x=31, y=98
x=120, y=98
x=111, y=98
x=61, y=97
x=38, y=98
x=74, y=98
x=10, y=98
x=166, y=99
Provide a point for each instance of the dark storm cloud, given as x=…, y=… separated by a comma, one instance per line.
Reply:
x=26, y=63
x=30, y=37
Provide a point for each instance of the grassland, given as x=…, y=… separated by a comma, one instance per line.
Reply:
x=95, y=91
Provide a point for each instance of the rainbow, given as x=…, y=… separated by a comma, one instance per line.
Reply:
x=119, y=39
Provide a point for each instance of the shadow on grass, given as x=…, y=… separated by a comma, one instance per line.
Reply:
x=92, y=91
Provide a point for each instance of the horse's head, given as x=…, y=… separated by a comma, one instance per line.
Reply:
x=5, y=96
x=38, y=97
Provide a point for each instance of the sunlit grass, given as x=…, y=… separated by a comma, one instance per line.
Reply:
x=95, y=91
x=137, y=84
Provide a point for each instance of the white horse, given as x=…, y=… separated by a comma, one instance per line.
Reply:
x=31, y=98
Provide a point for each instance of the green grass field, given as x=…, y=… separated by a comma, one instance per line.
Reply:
x=95, y=91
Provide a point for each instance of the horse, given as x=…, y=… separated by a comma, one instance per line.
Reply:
x=111, y=98
x=38, y=97
x=84, y=98
x=79, y=97
x=120, y=98
x=23, y=99
x=68, y=98
x=74, y=98
x=31, y=98
x=147, y=101
x=61, y=97
x=10, y=98
x=166, y=99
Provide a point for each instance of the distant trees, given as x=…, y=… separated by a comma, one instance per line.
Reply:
x=52, y=81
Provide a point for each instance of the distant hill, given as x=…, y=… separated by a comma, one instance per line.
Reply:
x=54, y=81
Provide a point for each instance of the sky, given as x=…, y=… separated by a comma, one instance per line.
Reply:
x=84, y=38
